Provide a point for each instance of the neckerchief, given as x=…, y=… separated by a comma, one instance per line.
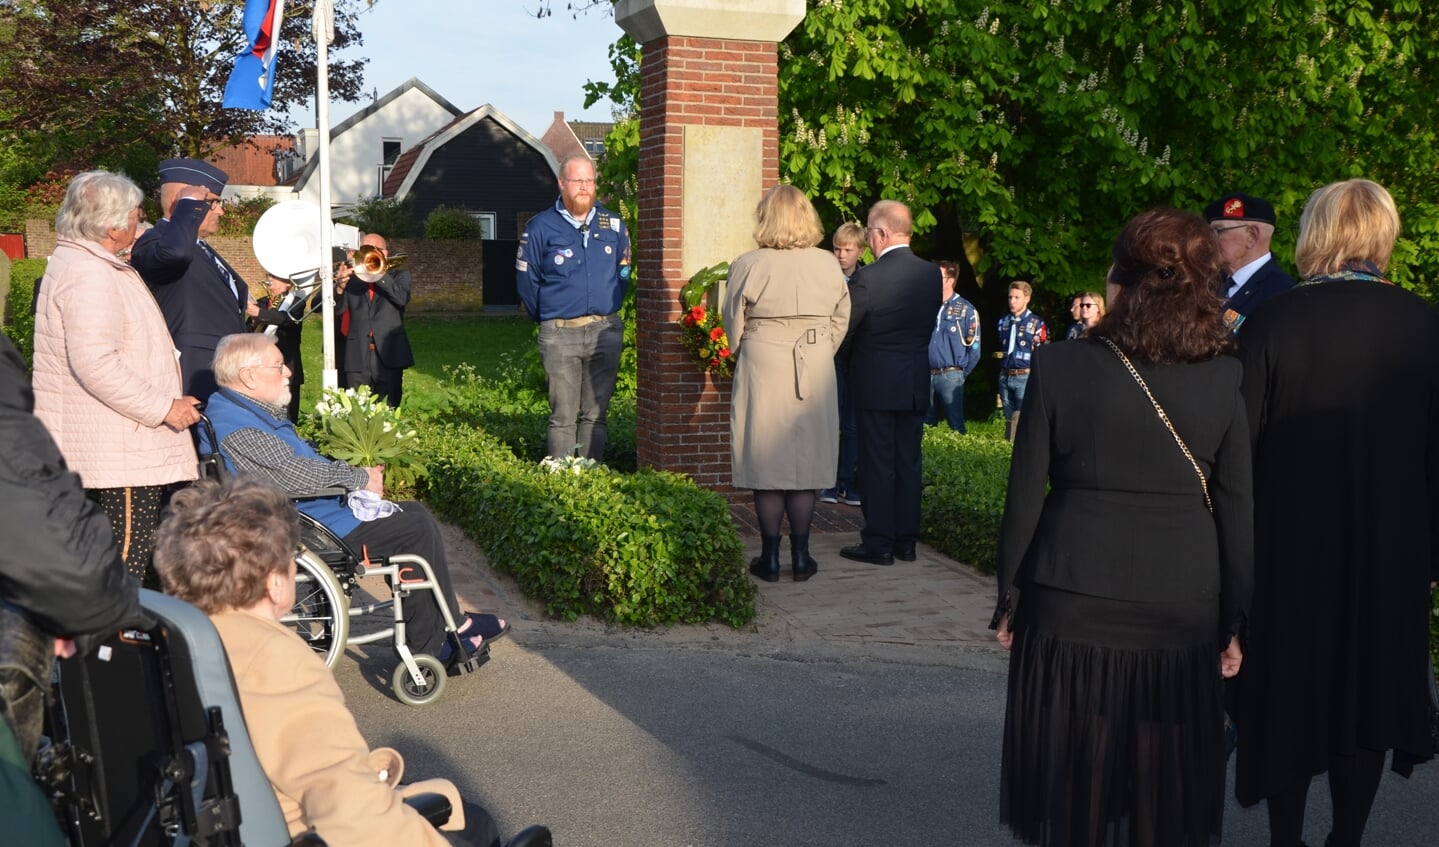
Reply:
x=1365, y=271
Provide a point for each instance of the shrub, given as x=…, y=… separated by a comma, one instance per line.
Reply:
x=965, y=480
x=19, y=309
x=639, y=549
x=447, y=224
x=241, y=216
x=388, y=217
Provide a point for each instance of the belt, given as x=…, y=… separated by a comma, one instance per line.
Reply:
x=1016, y=371
x=938, y=371
x=583, y=320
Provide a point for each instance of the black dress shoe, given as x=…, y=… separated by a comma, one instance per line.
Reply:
x=870, y=556
x=904, y=552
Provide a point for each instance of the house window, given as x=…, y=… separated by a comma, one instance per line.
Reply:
x=487, y=224
x=389, y=154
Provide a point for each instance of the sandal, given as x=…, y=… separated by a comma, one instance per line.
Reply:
x=489, y=627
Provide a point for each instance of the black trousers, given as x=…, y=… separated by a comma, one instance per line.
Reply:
x=890, y=468
x=387, y=383
x=413, y=530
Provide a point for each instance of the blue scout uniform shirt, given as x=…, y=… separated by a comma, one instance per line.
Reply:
x=568, y=268
x=955, y=340
x=1030, y=331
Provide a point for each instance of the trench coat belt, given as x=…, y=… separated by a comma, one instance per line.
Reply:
x=807, y=339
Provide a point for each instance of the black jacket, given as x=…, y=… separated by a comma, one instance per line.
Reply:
x=59, y=563
x=1266, y=282
x=1101, y=500
x=891, y=317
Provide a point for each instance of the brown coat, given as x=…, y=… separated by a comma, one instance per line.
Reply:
x=786, y=312
x=324, y=774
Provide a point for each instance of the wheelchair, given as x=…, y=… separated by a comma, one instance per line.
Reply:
x=327, y=610
x=147, y=746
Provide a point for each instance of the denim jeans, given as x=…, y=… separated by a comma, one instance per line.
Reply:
x=946, y=394
x=26, y=657
x=1011, y=393
x=848, y=439
x=581, y=364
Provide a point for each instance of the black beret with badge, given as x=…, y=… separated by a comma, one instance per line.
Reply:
x=1240, y=207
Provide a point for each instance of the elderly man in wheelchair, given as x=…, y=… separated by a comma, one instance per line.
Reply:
x=255, y=439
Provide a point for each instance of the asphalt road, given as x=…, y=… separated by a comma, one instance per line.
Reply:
x=643, y=743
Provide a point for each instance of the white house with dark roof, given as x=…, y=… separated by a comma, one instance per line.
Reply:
x=365, y=146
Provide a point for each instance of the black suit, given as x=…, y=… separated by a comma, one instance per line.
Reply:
x=201, y=305
x=377, y=350
x=892, y=307
x=1264, y=283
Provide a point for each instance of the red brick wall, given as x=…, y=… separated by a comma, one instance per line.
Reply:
x=684, y=414
x=447, y=274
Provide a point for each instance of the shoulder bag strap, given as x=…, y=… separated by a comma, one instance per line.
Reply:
x=1183, y=448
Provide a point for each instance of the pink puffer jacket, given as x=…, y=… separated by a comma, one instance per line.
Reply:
x=106, y=372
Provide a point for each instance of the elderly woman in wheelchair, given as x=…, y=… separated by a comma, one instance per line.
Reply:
x=229, y=549
x=254, y=438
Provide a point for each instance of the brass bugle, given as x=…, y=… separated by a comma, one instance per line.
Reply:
x=371, y=265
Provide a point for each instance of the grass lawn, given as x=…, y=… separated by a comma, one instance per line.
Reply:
x=438, y=343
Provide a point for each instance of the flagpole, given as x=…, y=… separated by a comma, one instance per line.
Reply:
x=324, y=29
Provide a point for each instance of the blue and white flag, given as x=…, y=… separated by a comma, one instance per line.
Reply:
x=253, y=80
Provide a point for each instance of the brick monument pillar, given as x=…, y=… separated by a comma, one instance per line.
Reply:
x=709, y=148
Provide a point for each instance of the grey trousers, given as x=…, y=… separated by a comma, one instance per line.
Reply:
x=582, y=364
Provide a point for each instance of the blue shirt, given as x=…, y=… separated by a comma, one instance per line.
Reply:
x=568, y=268
x=955, y=340
x=1029, y=331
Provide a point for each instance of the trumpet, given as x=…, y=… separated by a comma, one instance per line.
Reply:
x=371, y=265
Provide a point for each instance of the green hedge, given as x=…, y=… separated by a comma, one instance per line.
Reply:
x=640, y=549
x=19, y=310
x=965, y=479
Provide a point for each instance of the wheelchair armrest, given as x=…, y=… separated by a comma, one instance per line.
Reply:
x=332, y=491
x=433, y=807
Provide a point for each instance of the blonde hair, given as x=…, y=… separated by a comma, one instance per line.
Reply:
x=849, y=234
x=785, y=220
x=1344, y=223
x=1022, y=286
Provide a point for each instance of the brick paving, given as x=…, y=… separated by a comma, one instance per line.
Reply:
x=933, y=602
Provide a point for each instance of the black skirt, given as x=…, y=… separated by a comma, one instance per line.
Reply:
x=1114, y=728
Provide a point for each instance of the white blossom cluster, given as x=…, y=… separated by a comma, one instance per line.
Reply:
x=568, y=464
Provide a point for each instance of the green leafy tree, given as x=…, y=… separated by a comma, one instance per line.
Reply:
x=1025, y=134
x=106, y=83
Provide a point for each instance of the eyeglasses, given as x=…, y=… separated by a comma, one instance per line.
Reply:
x=580, y=181
x=266, y=367
x=1220, y=230
x=1089, y=305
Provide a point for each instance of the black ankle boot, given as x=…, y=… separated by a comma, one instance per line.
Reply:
x=766, y=564
x=804, y=564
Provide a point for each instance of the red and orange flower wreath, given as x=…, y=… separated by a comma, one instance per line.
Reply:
x=702, y=329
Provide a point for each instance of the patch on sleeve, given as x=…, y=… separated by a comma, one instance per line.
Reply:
x=522, y=266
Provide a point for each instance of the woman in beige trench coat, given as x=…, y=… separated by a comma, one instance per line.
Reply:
x=786, y=309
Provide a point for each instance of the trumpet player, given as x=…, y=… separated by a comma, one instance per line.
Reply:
x=372, y=319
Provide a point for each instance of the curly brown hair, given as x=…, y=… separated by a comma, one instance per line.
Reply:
x=1168, y=309
x=219, y=542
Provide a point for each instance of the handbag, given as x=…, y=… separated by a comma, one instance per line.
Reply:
x=1183, y=448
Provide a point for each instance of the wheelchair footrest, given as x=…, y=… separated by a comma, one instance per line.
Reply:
x=471, y=664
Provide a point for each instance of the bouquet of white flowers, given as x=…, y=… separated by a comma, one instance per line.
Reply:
x=355, y=426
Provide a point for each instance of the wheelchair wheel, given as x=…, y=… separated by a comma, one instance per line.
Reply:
x=321, y=614
x=413, y=695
